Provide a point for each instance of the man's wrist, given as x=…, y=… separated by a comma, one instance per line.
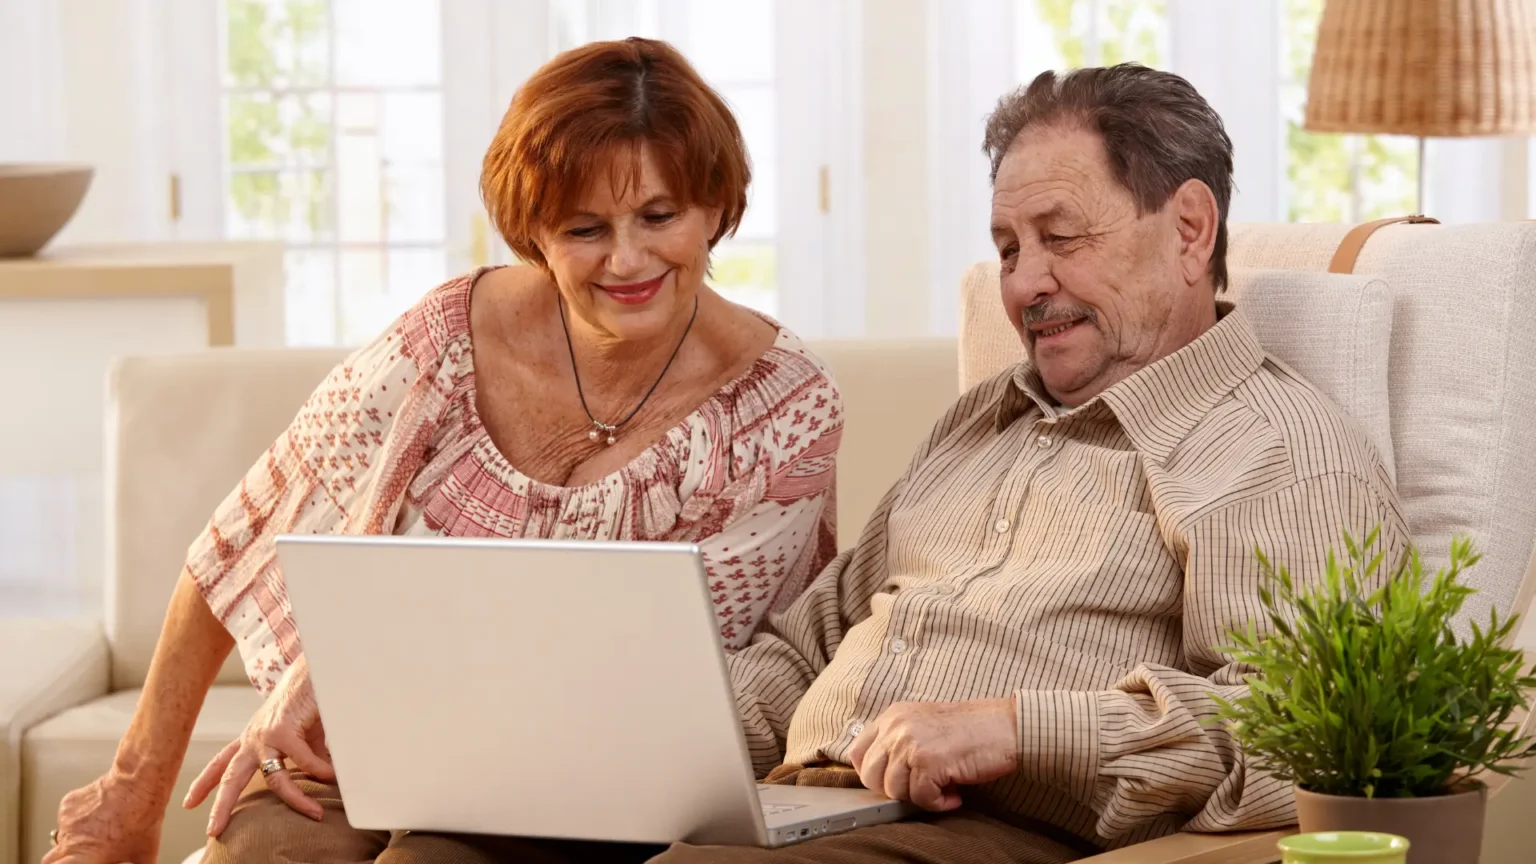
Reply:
x=1058, y=735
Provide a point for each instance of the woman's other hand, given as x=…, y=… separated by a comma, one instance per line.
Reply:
x=107, y=821
x=286, y=726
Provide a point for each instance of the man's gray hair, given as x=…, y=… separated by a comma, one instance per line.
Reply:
x=1157, y=130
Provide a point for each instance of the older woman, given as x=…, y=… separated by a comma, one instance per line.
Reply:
x=602, y=392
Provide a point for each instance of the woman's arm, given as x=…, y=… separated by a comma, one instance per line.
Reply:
x=117, y=817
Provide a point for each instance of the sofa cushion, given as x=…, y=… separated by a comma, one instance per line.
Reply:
x=1335, y=330
x=76, y=746
x=893, y=393
x=181, y=431
x=1461, y=380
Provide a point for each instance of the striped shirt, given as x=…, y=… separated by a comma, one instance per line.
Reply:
x=1084, y=561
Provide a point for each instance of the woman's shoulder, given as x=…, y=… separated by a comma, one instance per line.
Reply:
x=439, y=319
x=788, y=396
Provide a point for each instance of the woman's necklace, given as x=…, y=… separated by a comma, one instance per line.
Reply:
x=599, y=428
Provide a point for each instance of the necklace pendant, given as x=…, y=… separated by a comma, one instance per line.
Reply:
x=592, y=436
x=611, y=439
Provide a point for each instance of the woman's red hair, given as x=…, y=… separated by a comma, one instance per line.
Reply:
x=585, y=115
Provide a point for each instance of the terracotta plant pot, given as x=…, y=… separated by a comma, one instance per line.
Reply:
x=1445, y=829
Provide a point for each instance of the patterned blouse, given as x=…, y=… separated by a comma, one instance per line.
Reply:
x=391, y=443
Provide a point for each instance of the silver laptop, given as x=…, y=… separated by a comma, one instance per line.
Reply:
x=538, y=688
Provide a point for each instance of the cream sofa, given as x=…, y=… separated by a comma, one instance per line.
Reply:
x=1446, y=381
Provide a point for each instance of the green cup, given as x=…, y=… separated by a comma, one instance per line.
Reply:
x=1344, y=847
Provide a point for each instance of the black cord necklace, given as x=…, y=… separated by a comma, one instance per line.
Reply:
x=599, y=428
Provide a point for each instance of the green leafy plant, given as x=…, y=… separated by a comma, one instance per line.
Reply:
x=1368, y=691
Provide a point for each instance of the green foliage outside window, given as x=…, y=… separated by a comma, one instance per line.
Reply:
x=1126, y=30
x=272, y=46
x=1337, y=178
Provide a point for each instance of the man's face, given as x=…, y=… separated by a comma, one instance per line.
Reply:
x=1095, y=291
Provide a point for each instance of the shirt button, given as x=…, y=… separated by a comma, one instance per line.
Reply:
x=1043, y=442
x=855, y=729
x=898, y=645
x=1001, y=526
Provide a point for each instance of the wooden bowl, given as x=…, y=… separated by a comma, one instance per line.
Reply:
x=36, y=200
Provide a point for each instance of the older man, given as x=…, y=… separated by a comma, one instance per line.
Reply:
x=1022, y=640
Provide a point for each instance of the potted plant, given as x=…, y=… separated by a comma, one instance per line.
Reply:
x=1372, y=705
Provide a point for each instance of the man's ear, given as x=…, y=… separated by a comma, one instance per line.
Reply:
x=1194, y=208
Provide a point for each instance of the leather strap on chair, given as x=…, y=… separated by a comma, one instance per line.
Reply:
x=1349, y=248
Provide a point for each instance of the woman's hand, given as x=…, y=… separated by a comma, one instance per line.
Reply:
x=286, y=726
x=109, y=821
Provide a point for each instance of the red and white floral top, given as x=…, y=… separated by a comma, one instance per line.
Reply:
x=391, y=443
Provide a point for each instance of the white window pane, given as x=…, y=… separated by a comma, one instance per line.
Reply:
x=413, y=202
x=365, y=304
x=754, y=110
x=280, y=205
x=310, y=297
x=1038, y=43
x=1132, y=30
x=745, y=273
x=378, y=285
x=414, y=272
x=276, y=43
x=1387, y=176
x=413, y=127
x=388, y=43
x=731, y=41
x=267, y=131
x=577, y=22
x=359, y=185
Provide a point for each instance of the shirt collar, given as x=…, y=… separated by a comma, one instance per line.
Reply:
x=1160, y=404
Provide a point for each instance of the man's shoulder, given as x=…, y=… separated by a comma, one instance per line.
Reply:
x=1294, y=419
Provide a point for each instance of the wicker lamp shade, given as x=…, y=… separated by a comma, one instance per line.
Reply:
x=1430, y=68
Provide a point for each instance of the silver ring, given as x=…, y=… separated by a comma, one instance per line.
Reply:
x=272, y=766
x=53, y=837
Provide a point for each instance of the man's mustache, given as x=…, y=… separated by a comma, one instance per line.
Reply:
x=1042, y=312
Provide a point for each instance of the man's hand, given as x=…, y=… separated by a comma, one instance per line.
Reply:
x=922, y=751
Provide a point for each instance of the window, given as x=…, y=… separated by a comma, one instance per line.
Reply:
x=709, y=33
x=1063, y=34
x=333, y=143
x=1336, y=178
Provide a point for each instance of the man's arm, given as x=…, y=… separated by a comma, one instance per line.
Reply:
x=1147, y=747
x=772, y=674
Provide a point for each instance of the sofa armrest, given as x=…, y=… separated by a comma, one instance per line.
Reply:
x=46, y=666
x=1247, y=847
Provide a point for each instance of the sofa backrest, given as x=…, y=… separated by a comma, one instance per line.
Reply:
x=1461, y=376
x=183, y=429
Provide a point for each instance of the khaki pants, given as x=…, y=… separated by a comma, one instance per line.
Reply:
x=264, y=829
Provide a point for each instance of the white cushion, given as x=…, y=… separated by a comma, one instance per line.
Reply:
x=1462, y=381
x=893, y=392
x=1335, y=330
x=182, y=430
x=76, y=746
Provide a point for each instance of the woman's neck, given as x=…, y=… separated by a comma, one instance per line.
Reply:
x=614, y=365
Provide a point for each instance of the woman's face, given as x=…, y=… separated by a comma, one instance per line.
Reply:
x=629, y=262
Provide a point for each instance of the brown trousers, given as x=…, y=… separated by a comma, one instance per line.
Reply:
x=264, y=829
